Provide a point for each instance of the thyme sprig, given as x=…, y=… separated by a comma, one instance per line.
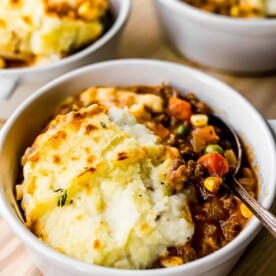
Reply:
x=63, y=196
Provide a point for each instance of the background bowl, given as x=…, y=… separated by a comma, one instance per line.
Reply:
x=24, y=125
x=241, y=45
x=30, y=78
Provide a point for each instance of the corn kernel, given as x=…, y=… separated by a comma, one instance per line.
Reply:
x=3, y=24
x=87, y=12
x=246, y=213
x=171, y=261
x=199, y=120
x=2, y=63
x=19, y=191
x=247, y=172
x=235, y=11
x=212, y=183
x=101, y=4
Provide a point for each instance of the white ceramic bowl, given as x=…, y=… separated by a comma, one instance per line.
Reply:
x=32, y=114
x=29, y=78
x=241, y=45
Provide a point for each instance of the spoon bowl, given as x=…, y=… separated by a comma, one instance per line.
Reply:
x=265, y=216
x=229, y=134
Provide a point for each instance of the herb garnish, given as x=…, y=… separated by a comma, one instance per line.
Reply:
x=103, y=124
x=62, y=198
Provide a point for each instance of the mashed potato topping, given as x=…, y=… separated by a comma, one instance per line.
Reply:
x=96, y=188
x=40, y=31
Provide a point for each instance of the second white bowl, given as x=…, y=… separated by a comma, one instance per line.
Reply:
x=241, y=45
x=22, y=81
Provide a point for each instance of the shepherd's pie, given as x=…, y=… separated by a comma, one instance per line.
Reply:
x=41, y=31
x=134, y=177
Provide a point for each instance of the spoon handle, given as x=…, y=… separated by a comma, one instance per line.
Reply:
x=266, y=217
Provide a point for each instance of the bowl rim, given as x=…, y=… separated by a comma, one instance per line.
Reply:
x=44, y=250
x=120, y=21
x=201, y=15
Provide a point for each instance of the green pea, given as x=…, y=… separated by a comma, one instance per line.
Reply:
x=214, y=147
x=182, y=130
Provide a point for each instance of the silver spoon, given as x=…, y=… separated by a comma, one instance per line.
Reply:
x=266, y=217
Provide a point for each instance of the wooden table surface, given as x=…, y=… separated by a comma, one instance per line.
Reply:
x=143, y=38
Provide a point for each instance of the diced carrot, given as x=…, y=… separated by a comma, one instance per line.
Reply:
x=161, y=131
x=203, y=136
x=215, y=163
x=207, y=133
x=180, y=109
